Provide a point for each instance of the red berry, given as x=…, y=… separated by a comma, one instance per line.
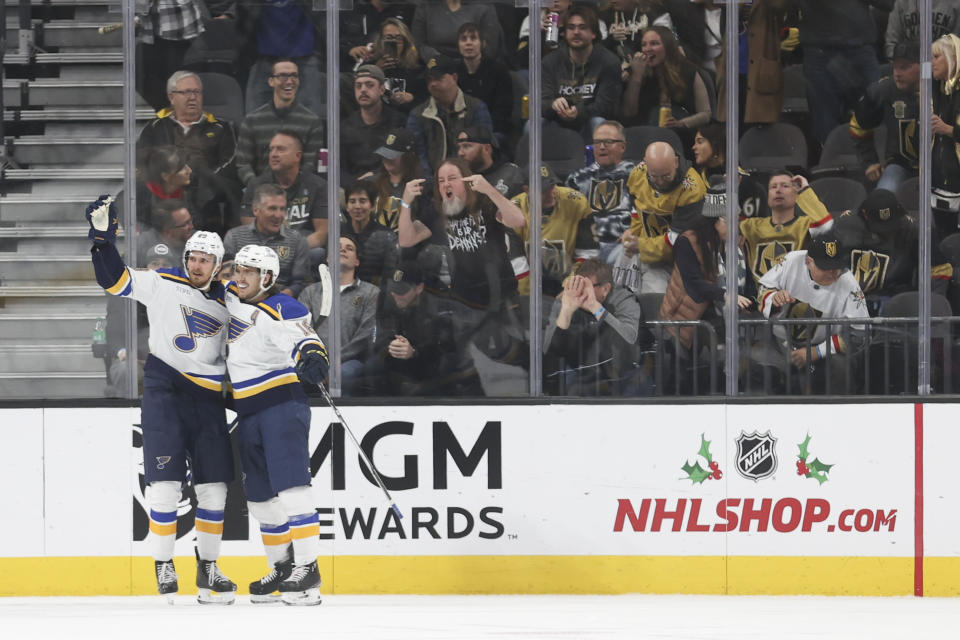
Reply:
x=717, y=474
x=714, y=465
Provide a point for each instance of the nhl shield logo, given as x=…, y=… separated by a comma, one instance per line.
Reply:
x=756, y=455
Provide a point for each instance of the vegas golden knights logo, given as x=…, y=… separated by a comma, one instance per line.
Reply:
x=605, y=195
x=283, y=252
x=802, y=334
x=869, y=268
x=831, y=249
x=391, y=138
x=555, y=259
x=770, y=254
x=885, y=213
x=654, y=224
x=908, y=139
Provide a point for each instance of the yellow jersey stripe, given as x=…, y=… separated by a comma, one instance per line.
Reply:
x=121, y=283
x=213, y=385
x=173, y=278
x=270, y=310
x=288, y=378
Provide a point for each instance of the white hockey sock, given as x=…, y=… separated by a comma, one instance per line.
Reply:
x=209, y=527
x=276, y=542
x=162, y=498
x=211, y=500
x=305, y=532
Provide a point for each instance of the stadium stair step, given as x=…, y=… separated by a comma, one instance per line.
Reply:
x=16, y=267
x=64, y=113
x=75, y=326
x=36, y=208
x=44, y=150
x=55, y=92
x=62, y=356
x=54, y=384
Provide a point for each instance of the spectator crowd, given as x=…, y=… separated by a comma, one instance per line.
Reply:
x=435, y=204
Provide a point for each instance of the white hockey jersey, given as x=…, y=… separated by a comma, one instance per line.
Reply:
x=263, y=347
x=842, y=299
x=187, y=326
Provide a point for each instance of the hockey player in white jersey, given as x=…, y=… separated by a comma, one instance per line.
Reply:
x=182, y=411
x=271, y=347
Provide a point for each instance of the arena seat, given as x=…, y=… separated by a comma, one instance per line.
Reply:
x=773, y=146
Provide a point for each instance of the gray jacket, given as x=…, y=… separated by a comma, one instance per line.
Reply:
x=358, y=312
x=904, y=22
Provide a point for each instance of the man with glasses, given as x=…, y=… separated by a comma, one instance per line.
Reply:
x=208, y=143
x=170, y=223
x=604, y=183
x=282, y=112
x=581, y=81
x=662, y=186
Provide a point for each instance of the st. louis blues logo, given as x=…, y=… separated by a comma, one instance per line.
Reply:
x=199, y=325
x=238, y=327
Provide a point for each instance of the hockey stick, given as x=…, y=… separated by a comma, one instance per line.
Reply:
x=110, y=28
x=363, y=455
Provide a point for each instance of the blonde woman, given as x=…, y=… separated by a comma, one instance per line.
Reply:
x=945, y=178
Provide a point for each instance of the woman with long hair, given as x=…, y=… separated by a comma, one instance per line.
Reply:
x=395, y=51
x=945, y=178
x=399, y=165
x=708, y=147
x=167, y=177
x=661, y=77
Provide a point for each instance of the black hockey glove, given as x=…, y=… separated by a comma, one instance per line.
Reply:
x=102, y=216
x=313, y=367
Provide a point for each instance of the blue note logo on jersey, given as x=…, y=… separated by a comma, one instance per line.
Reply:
x=199, y=325
x=238, y=327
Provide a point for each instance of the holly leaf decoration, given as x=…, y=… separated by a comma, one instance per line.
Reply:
x=695, y=472
x=804, y=452
x=819, y=470
x=705, y=449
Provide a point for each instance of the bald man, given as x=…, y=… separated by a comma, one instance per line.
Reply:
x=666, y=192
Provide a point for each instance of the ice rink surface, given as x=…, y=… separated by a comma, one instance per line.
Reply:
x=498, y=617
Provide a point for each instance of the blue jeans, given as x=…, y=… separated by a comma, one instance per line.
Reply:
x=836, y=76
x=893, y=176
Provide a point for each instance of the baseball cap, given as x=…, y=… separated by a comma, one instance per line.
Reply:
x=906, y=51
x=405, y=276
x=882, y=210
x=828, y=252
x=397, y=142
x=547, y=177
x=370, y=71
x=441, y=65
x=479, y=134
x=715, y=202
x=158, y=251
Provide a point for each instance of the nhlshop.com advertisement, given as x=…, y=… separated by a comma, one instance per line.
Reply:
x=699, y=498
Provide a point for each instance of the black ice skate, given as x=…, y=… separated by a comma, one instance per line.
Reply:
x=212, y=586
x=166, y=579
x=303, y=585
x=265, y=589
